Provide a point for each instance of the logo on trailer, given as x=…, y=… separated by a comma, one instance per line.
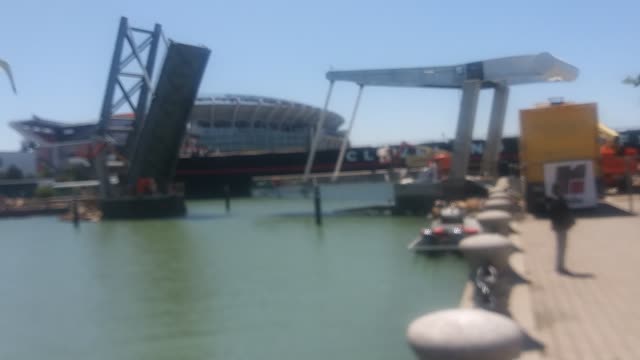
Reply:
x=571, y=179
x=576, y=181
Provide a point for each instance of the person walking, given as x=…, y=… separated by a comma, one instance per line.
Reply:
x=561, y=221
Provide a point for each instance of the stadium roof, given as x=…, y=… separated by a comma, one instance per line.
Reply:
x=248, y=109
x=48, y=132
x=225, y=109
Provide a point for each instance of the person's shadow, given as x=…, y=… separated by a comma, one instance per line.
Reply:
x=577, y=275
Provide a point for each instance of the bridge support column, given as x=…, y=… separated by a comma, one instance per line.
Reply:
x=103, y=174
x=494, y=134
x=466, y=119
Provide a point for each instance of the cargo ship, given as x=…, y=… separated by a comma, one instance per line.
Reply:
x=206, y=176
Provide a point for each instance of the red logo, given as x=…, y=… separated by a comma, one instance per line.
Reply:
x=576, y=186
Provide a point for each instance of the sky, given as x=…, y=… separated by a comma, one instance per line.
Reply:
x=60, y=53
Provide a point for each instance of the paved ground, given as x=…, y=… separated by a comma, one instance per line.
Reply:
x=595, y=314
x=626, y=202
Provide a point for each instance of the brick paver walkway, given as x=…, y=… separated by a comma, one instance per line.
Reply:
x=587, y=317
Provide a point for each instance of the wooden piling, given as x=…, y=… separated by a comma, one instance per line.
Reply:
x=317, y=201
x=227, y=198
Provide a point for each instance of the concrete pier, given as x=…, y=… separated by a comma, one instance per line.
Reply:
x=593, y=312
x=590, y=312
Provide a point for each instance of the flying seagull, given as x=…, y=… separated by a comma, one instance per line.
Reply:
x=5, y=66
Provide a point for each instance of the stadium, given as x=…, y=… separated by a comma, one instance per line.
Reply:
x=244, y=123
x=218, y=124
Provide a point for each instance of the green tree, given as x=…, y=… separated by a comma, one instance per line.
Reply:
x=13, y=173
x=43, y=192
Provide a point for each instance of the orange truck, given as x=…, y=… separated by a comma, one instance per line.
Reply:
x=618, y=162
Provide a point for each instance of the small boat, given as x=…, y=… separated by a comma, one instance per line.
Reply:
x=445, y=233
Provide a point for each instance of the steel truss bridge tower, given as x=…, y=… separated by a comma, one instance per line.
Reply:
x=149, y=142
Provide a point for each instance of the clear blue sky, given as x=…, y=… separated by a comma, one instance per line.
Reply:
x=60, y=51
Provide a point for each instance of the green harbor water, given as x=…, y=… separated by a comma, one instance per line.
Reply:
x=261, y=283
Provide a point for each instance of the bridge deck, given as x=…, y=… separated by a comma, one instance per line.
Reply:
x=155, y=154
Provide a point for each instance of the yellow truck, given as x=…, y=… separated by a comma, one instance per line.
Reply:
x=559, y=146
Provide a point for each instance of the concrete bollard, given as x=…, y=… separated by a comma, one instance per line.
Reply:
x=495, y=189
x=495, y=221
x=465, y=334
x=498, y=204
x=500, y=195
x=502, y=183
x=483, y=249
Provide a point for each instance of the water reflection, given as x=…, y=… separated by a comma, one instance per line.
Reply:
x=158, y=296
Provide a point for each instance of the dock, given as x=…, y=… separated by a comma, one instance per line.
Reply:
x=593, y=312
x=32, y=207
x=589, y=312
x=415, y=247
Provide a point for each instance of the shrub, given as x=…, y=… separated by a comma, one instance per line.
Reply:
x=13, y=173
x=44, y=192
